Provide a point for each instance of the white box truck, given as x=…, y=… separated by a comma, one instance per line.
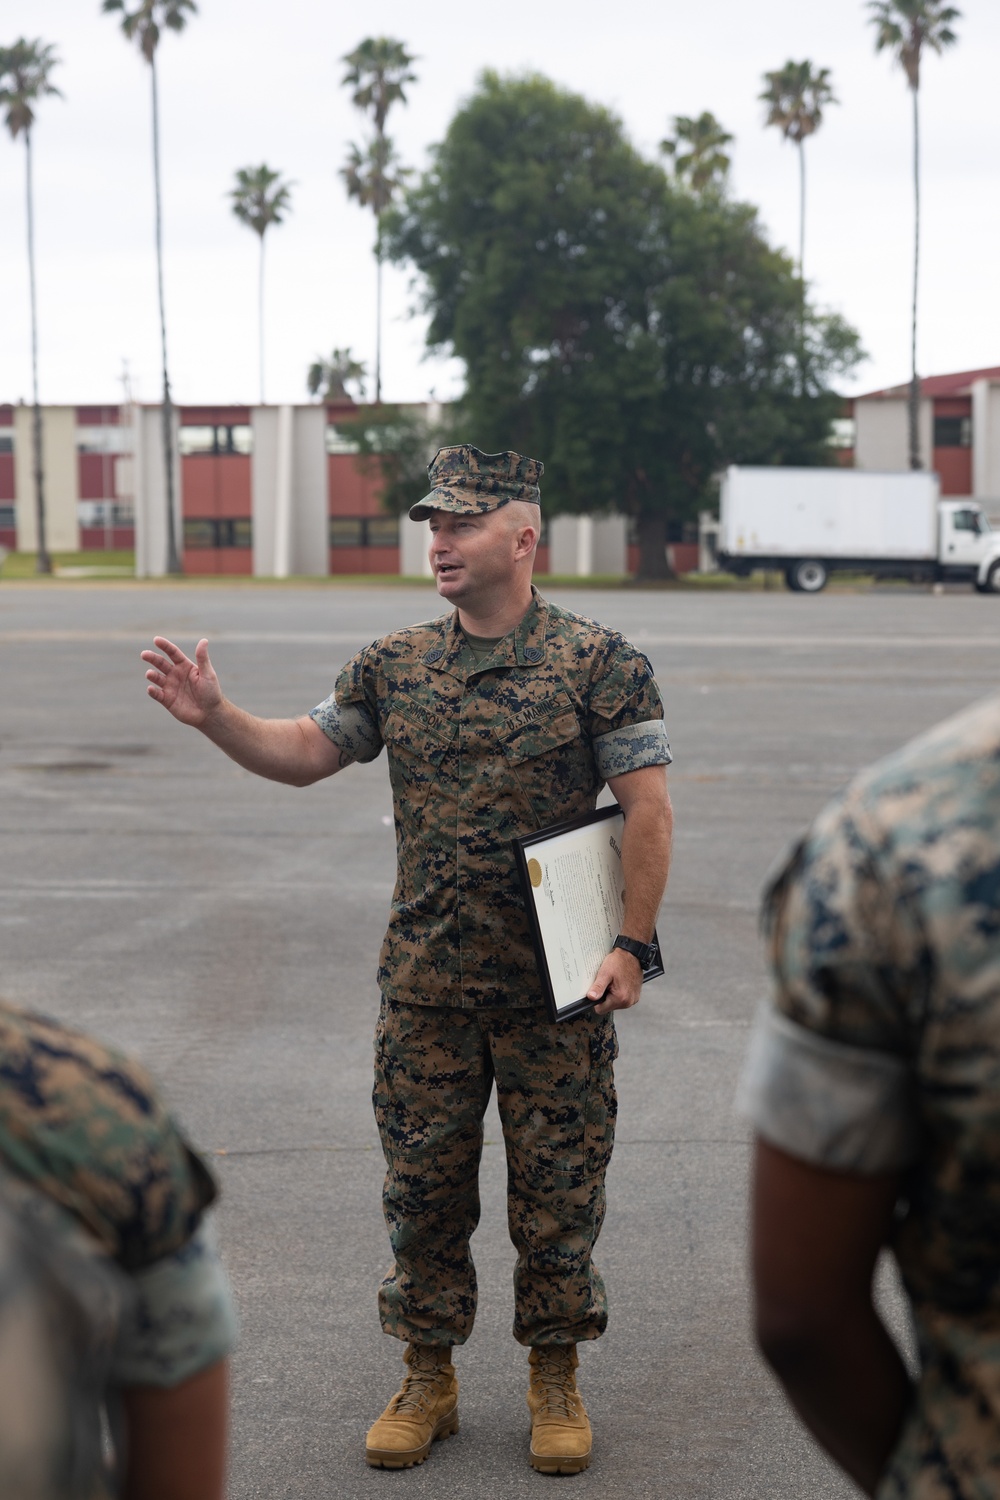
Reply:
x=810, y=523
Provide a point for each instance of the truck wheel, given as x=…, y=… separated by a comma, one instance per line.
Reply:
x=809, y=576
x=790, y=582
x=992, y=582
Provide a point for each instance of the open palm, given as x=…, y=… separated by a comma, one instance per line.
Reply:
x=187, y=689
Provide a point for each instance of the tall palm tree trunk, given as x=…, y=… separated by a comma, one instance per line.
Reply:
x=173, y=560
x=43, y=562
x=378, y=310
x=260, y=318
x=913, y=411
x=802, y=267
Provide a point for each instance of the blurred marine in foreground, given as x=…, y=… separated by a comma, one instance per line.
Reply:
x=115, y=1314
x=874, y=1085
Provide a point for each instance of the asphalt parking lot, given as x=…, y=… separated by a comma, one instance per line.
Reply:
x=227, y=929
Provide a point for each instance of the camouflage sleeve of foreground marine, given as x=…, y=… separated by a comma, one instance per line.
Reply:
x=828, y=1077
x=626, y=712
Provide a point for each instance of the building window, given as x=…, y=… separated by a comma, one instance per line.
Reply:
x=199, y=535
x=364, y=531
x=340, y=441
x=219, y=437
x=104, y=513
x=347, y=531
x=6, y=444
x=103, y=440
x=841, y=433
x=382, y=531
x=953, y=432
x=6, y=518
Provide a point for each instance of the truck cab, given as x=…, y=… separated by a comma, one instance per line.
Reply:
x=968, y=549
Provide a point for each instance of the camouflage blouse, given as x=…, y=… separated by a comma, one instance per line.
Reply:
x=882, y=1053
x=480, y=753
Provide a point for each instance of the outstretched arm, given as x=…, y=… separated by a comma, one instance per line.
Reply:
x=643, y=798
x=294, y=751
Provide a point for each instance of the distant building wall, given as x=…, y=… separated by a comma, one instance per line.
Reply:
x=147, y=480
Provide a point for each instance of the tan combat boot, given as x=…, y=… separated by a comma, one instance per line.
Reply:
x=560, y=1432
x=425, y=1408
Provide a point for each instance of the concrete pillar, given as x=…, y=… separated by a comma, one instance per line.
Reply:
x=610, y=546
x=986, y=443
x=148, y=483
x=881, y=438
x=580, y=546
x=61, y=478
x=288, y=479
x=414, y=541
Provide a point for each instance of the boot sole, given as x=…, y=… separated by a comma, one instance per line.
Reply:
x=390, y=1458
x=556, y=1464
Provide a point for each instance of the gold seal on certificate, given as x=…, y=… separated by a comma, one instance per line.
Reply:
x=571, y=878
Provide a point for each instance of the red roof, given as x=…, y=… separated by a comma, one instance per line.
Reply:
x=959, y=384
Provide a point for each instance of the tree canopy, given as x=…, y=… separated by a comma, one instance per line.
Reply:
x=634, y=336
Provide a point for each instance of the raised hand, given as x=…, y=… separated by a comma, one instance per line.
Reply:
x=188, y=689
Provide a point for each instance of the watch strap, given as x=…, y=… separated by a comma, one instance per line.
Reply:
x=642, y=951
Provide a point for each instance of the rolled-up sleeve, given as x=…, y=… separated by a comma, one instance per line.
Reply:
x=181, y=1317
x=347, y=717
x=835, y=1106
x=632, y=747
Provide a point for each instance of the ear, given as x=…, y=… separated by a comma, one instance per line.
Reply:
x=525, y=541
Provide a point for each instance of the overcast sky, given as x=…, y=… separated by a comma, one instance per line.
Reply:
x=260, y=80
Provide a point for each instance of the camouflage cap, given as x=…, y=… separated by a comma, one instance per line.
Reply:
x=470, y=482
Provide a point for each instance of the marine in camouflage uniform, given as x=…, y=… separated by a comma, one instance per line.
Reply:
x=488, y=736
x=483, y=747
x=881, y=1055
x=96, y=1176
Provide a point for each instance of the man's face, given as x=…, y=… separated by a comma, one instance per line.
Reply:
x=474, y=558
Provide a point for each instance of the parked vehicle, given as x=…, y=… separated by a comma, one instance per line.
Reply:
x=810, y=523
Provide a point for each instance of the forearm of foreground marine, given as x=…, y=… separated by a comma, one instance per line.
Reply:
x=293, y=751
x=816, y=1240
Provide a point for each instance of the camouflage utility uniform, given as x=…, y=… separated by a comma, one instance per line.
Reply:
x=481, y=751
x=96, y=1178
x=882, y=1053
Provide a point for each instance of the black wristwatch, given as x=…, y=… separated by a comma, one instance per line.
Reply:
x=644, y=952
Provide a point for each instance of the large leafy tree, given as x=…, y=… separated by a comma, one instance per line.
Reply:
x=796, y=96
x=698, y=150
x=905, y=28
x=260, y=199
x=144, y=24
x=378, y=71
x=24, y=79
x=635, y=337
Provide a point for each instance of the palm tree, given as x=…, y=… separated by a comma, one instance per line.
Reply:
x=698, y=149
x=143, y=25
x=795, y=96
x=329, y=378
x=907, y=27
x=260, y=198
x=377, y=70
x=24, y=79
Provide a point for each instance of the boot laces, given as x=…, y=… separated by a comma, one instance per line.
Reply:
x=554, y=1381
x=419, y=1384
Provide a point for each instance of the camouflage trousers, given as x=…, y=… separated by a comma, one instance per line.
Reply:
x=434, y=1073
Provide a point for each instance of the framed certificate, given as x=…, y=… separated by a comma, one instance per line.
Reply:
x=571, y=877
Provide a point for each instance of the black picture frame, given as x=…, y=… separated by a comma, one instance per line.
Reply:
x=522, y=848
